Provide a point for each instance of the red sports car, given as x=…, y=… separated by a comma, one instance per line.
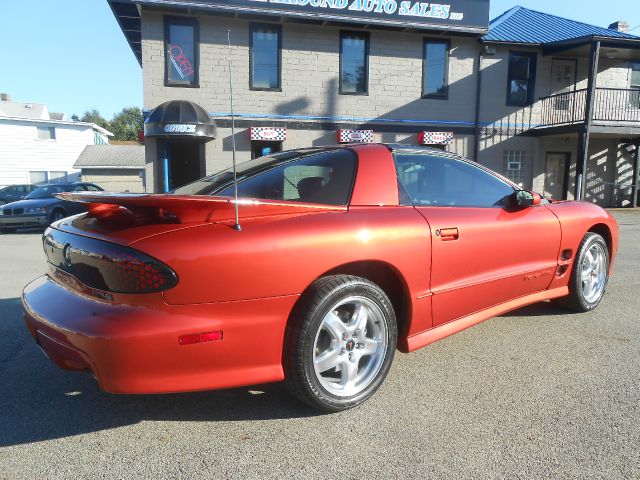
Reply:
x=344, y=254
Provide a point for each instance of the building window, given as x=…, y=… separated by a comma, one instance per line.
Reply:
x=36, y=178
x=514, y=165
x=635, y=75
x=181, y=52
x=354, y=63
x=57, y=177
x=435, y=67
x=265, y=57
x=46, y=133
x=635, y=84
x=522, y=77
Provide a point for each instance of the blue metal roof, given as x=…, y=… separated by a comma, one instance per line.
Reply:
x=521, y=25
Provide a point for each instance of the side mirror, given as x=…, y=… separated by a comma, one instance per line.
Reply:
x=524, y=198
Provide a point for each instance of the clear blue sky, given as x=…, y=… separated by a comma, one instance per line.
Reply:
x=71, y=54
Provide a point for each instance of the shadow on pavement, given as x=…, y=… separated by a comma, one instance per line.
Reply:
x=40, y=402
x=25, y=231
x=538, y=310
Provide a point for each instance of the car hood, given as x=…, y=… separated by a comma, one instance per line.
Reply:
x=30, y=203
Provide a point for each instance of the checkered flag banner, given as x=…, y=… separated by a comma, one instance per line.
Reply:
x=355, y=136
x=436, y=138
x=269, y=134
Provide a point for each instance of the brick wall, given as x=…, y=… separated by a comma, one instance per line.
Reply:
x=310, y=74
x=309, y=96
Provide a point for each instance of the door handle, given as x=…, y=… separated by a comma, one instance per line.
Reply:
x=448, y=234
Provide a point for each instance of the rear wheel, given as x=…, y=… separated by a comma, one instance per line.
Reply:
x=590, y=274
x=340, y=343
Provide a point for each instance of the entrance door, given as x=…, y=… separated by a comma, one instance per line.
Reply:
x=260, y=148
x=563, y=80
x=181, y=162
x=555, y=179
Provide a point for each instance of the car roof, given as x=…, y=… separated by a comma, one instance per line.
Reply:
x=402, y=148
x=417, y=149
x=64, y=184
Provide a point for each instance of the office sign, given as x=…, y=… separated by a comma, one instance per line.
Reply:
x=179, y=128
x=465, y=15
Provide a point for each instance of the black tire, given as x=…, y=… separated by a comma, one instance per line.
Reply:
x=7, y=230
x=303, y=331
x=57, y=214
x=576, y=300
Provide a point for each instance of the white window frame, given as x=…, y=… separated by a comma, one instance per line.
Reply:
x=517, y=159
x=51, y=129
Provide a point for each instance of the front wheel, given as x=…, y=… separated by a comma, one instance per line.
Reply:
x=340, y=343
x=56, y=215
x=590, y=274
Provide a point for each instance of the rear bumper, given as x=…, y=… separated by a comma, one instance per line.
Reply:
x=134, y=349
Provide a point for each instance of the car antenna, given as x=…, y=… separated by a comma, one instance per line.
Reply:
x=233, y=140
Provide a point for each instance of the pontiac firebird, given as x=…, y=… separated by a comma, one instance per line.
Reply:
x=344, y=254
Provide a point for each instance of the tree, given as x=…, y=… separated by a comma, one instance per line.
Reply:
x=126, y=124
x=75, y=118
x=93, y=116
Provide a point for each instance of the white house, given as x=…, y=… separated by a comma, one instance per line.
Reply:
x=36, y=148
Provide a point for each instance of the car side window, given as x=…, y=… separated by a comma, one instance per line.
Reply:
x=92, y=188
x=448, y=182
x=78, y=188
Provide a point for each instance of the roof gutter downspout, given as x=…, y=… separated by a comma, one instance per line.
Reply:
x=476, y=145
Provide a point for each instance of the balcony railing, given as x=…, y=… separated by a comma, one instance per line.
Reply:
x=619, y=106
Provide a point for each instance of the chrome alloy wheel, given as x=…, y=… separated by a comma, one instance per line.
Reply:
x=350, y=346
x=593, y=273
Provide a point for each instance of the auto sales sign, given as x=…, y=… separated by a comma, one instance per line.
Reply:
x=464, y=15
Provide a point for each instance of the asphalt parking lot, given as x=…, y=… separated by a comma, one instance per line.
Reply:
x=536, y=393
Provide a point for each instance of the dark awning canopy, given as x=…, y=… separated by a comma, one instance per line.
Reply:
x=180, y=119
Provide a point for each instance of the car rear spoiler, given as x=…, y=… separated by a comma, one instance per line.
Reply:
x=185, y=208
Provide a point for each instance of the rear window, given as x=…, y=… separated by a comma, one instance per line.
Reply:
x=313, y=176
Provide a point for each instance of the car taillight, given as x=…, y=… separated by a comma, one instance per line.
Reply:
x=108, y=266
x=129, y=271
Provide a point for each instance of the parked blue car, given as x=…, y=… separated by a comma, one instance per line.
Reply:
x=40, y=208
x=13, y=193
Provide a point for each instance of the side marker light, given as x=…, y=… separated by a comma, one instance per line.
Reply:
x=199, y=338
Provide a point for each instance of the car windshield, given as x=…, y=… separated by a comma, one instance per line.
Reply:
x=314, y=175
x=47, y=191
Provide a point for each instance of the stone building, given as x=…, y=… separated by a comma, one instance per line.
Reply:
x=547, y=101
